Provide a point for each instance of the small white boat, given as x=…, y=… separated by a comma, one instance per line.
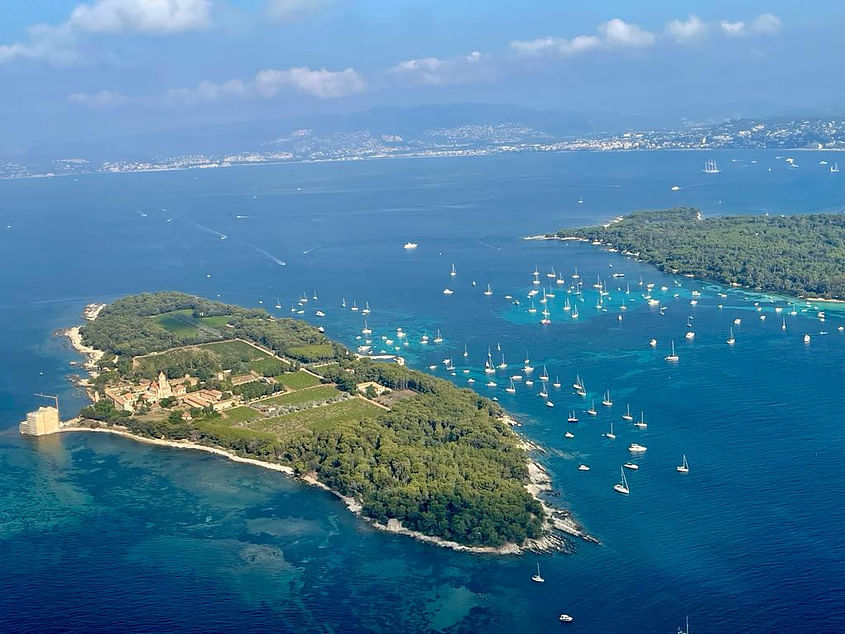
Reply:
x=491, y=384
x=606, y=401
x=610, y=433
x=684, y=466
x=549, y=404
x=537, y=578
x=689, y=335
x=731, y=340
x=565, y=618
x=653, y=343
x=633, y=466
x=556, y=383
x=366, y=330
x=448, y=291
x=410, y=245
x=641, y=424
x=636, y=448
x=569, y=434
x=320, y=313
x=583, y=467
x=627, y=414
x=511, y=389
x=622, y=487
x=453, y=272
x=438, y=338
x=672, y=357
x=592, y=411
x=488, y=291
x=737, y=321
x=806, y=338
x=572, y=417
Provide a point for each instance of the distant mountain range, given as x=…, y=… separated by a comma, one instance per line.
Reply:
x=469, y=128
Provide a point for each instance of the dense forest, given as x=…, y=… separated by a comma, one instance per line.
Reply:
x=128, y=327
x=801, y=255
x=441, y=460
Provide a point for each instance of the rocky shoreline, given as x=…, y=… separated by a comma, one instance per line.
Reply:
x=558, y=521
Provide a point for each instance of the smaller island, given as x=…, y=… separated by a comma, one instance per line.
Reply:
x=801, y=255
x=411, y=453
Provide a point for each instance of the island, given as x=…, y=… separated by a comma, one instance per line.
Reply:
x=409, y=452
x=801, y=255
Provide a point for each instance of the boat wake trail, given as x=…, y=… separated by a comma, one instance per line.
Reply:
x=267, y=254
x=312, y=249
x=222, y=236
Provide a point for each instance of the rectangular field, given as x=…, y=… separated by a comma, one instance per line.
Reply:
x=240, y=415
x=297, y=380
x=318, y=393
x=318, y=418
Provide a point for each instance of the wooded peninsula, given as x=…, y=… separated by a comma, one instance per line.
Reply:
x=801, y=255
x=405, y=446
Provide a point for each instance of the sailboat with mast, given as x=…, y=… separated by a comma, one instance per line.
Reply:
x=610, y=434
x=684, y=466
x=453, y=272
x=710, y=167
x=731, y=339
x=672, y=357
x=641, y=424
x=622, y=487
x=537, y=578
x=627, y=414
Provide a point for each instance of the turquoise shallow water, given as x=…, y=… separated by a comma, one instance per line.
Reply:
x=119, y=535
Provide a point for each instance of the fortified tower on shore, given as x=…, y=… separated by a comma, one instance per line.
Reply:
x=43, y=421
x=164, y=388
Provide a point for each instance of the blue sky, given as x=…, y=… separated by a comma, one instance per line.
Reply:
x=73, y=69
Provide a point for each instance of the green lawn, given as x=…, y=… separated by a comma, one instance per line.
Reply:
x=240, y=415
x=180, y=322
x=319, y=393
x=297, y=380
x=312, y=352
x=268, y=366
x=318, y=419
x=237, y=349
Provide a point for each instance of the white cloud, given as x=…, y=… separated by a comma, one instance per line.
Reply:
x=141, y=16
x=763, y=24
x=618, y=33
x=266, y=84
x=613, y=34
x=433, y=71
x=733, y=29
x=59, y=44
x=293, y=10
x=684, y=32
x=102, y=99
x=766, y=23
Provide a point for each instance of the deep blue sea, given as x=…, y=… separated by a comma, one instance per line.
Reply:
x=101, y=534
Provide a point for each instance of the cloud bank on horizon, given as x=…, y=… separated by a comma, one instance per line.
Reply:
x=302, y=51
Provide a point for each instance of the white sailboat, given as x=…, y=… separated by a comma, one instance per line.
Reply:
x=627, y=414
x=572, y=418
x=466, y=352
x=489, y=368
x=438, y=338
x=366, y=329
x=672, y=357
x=592, y=411
x=556, y=383
x=488, y=291
x=453, y=272
x=622, y=487
x=710, y=167
x=834, y=169
x=641, y=424
x=544, y=376
x=537, y=578
x=610, y=433
x=511, y=389
x=684, y=466
x=731, y=339
x=636, y=448
x=545, y=320
x=606, y=400
x=502, y=365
